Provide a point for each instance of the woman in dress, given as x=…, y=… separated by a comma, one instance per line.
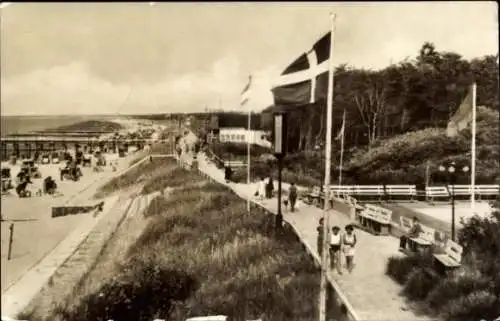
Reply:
x=349, y=243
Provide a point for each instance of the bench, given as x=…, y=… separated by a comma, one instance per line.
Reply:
x=235, y=163
x=421, y=243
x=313, y=197
x=369, y=191
x=401, y=191
x=450, y=260
x=375, y=219
x=405, y=223
x=436, y=192
x=487, y=191
x=460, y=191
x=342, y=190
x=353, y=202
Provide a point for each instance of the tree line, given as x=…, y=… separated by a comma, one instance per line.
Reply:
x=406, y=96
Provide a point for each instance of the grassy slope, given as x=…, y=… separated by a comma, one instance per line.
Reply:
x=195, y=252
x=140, y=173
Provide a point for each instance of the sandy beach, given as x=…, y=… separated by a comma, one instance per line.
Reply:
x=35, y=232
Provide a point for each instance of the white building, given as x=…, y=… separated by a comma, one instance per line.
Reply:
x=242, y=135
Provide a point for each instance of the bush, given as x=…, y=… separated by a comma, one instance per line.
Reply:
x=173, y=178
x=144, y=290
x=477, y=305
x=400, y=267
x=472, y=292
x=456, y=286
x=156, y=204
x=420, y=282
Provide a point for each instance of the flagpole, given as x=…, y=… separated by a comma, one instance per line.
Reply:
x=473, y=151
x=342, y=149
x=248, y=154
x=328, y=152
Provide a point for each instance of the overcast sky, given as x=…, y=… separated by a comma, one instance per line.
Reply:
x=87, y=58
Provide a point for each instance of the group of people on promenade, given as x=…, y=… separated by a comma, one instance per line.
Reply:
x=266, y=189
x=340, y=243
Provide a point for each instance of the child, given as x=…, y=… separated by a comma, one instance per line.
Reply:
x=335, y=246
x=349, y=242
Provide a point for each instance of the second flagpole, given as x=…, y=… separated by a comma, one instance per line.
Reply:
x=342, y=148
x=473, y=152
x=248, y=154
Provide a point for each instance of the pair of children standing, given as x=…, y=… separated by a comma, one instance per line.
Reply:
x=339, y=243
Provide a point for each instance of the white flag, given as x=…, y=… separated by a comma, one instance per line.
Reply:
x=245, y=93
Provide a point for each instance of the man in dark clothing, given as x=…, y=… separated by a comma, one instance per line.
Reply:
x=49, y=186
x=21, y=189
x=228, y=172
x=320, y=238
x=292, y=196
x=269, y=188
x=414, y=232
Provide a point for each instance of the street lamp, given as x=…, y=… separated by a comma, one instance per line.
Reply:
x=452, y=175
x=279, y=146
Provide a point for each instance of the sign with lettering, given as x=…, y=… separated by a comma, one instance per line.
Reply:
x=279, y=134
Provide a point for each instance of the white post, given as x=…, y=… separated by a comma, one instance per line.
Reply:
x=427, y=177
x=328, y=152
x=342, y=149
x=473, y=152
x=248, y=155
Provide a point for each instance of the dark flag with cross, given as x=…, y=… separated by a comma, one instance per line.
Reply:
x=305, y=80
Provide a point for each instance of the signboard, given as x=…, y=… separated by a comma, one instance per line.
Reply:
x=214, y=122
x=279, y=134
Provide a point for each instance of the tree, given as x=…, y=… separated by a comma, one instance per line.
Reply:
x=370, y=100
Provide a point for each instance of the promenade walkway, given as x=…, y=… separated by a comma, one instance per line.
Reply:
x=368, y=291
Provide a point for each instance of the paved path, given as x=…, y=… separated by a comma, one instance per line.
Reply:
x=372, y=294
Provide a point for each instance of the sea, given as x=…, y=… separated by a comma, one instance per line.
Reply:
x=24, y=124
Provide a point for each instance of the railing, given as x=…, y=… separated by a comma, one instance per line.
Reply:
x=411, y=191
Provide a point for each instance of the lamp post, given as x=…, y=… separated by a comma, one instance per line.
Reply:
x=452, y=175
x=279, y=145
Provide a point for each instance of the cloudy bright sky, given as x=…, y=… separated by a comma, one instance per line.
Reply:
x=79, y=58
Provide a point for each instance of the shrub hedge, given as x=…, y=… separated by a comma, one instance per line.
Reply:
x=472, y=292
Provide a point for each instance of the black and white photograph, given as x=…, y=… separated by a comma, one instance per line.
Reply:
x=250, y=161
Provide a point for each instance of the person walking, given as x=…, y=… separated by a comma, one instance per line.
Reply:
x=269, y=187
x=228, y=173
x=335, y=247
x=349, y=244
x=320, y=238
x=262, y=188
x=292, y=196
